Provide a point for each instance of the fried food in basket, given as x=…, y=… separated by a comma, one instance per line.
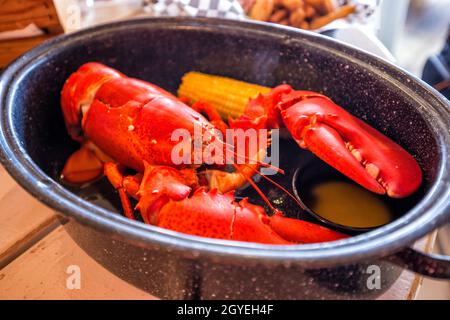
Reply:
x=304, y=14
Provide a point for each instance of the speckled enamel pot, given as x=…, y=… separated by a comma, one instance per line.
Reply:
x=34, y=145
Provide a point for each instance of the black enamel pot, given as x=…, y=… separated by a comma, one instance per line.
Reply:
x=34, y=146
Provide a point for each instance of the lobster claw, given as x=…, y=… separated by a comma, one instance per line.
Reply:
x=349, y=145
x=79, y=91
x=97, y=81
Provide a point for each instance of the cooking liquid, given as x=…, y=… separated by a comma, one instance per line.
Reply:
x=348, y=204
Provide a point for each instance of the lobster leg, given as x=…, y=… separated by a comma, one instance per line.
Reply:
x=131, y=185
x=229, y=181
x=115, y=177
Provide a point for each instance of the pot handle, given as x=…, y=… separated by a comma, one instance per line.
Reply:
x=430, y=265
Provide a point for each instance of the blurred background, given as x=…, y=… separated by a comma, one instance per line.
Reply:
x=423, y=33
x=411, y=30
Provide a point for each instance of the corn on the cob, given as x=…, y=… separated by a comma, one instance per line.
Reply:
x=228, y=96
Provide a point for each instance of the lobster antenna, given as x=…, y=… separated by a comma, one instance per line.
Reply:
x=276, y=184
x=253, y=184
x=261, y=163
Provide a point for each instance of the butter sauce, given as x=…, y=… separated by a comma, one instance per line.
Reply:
x=348, y=204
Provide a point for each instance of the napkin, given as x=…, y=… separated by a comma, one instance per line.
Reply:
x=29, y=31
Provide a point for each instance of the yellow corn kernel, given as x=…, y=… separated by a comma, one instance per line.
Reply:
x=228, y=96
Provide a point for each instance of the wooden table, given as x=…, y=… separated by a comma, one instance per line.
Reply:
x=17, y=14
x=35, y=252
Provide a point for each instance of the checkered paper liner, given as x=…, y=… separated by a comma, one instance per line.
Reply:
x=366, y=13
x=231, y=9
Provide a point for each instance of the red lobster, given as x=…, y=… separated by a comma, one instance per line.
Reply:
x=123, y=122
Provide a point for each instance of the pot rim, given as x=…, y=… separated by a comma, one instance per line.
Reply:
x=432, y=211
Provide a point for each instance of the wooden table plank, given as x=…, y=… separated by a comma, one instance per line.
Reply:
x=41, y=273
x=12, y=49
x=23, y=219
x=408, y=284
x=17, y=14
